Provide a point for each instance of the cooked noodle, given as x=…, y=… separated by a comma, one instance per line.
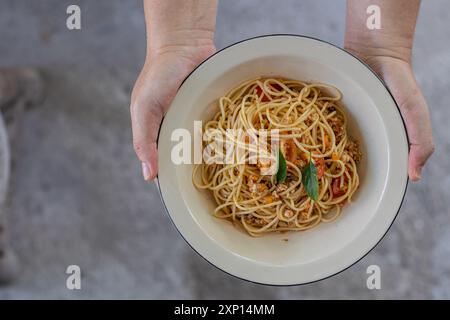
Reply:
x=312, y=126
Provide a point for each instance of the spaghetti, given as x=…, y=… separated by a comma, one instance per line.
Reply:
x=312, y=130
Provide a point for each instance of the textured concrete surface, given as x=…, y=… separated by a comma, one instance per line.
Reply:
x=77, y=196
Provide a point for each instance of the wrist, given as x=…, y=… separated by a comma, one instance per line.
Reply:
x=185, y=28
x=380, y=55
x=191, y=44
x=188, y=55
x=368, y=51
x=382, y=65
x=378, y=43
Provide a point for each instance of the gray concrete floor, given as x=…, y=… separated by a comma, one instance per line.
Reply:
x=77, y=196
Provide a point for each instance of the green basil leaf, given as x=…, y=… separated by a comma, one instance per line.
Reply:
x=282, y=168
x=309, y=180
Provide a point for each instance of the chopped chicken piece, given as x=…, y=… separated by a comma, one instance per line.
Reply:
x=304, y=214
x=288, y=213
x=354, y=151
x=275, y=195
x=281, y=187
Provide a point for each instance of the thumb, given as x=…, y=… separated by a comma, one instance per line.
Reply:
x=145, y=121
x=414, y=109
x=415, y=112
x=418, y=155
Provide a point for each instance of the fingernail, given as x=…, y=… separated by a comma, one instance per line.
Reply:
x=418, y=173
x=146, y=171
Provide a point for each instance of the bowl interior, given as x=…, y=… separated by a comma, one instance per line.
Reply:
x=301, y=247
x=335, y=243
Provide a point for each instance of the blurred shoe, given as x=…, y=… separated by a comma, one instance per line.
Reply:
x=9, y=267
x=20, y=88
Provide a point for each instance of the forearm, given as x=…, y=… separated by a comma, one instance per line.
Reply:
x=174, y=25
x=394, y=39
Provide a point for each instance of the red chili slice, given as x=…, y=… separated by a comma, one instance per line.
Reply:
x=336, y=187
x=260, y=93
x=320, y=163
x=276, y=86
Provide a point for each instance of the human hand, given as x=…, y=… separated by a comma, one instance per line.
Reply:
x=152, y=94
x=388, y=52
x=399, y=77
x=180, y=35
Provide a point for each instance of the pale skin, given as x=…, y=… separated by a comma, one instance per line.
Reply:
x=180, y=35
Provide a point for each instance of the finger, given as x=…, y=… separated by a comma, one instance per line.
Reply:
x=414, y=109
x=152, y=94
x=418, y=125
x=145, y=121
x=418, y=156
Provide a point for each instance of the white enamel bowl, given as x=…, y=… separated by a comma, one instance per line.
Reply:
x=331, y=247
